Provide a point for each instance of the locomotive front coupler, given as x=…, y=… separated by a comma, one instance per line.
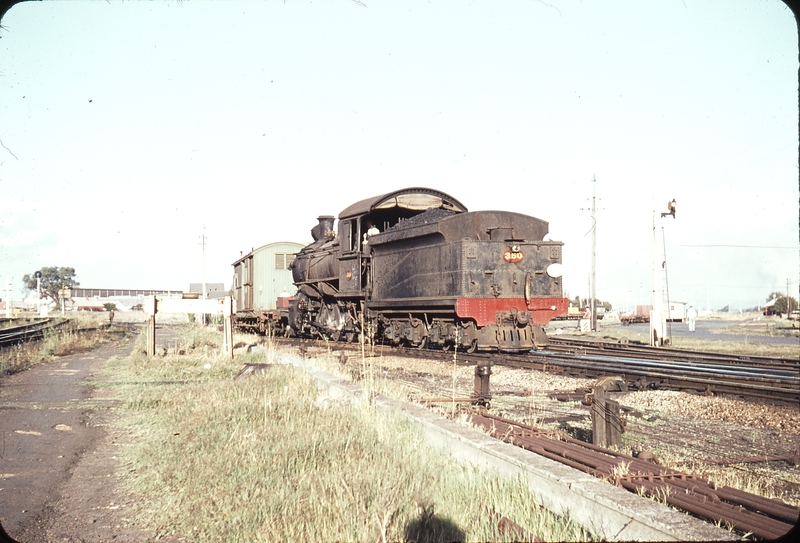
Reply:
x=482, y=396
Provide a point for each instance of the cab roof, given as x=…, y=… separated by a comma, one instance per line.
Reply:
x=415, y=198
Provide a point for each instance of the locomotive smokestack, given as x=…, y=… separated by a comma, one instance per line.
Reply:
x=324, y=228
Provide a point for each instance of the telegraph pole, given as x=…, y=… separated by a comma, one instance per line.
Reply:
x=203, y=243
x=593, y=281
x=593, y=304
x=8, y=298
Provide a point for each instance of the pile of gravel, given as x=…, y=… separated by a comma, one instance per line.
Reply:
x=727, y=409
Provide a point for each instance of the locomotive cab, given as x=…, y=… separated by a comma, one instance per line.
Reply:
x=366, y=220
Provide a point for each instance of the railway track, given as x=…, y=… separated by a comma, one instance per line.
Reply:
x=650, y=368
x=36, y=331
x=29, y=332
x=639, y=367
x=625, y=349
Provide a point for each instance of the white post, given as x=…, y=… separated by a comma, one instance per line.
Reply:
x=227, y=339
x=658, y=323
x=658, y=317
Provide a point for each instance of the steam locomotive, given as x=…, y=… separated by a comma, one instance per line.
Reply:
x=415, y=267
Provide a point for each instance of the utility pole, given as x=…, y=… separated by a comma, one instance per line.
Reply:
x=788, y=299
x=8, y=298
x=594, y=254
x=593, y=285
x=203, y=244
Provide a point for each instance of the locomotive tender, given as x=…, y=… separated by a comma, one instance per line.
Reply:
x=415, y=267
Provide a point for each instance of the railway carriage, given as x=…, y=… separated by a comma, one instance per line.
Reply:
x=260, y=281
x=415, y=267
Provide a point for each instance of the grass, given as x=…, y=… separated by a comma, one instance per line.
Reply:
x=256, y=459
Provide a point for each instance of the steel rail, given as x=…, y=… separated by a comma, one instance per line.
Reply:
x=665, y=353
x=745, y=512
x=651, y=375
x=714, y=378
x=717, y=370
x=28, y=332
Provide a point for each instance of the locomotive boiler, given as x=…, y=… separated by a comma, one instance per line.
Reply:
x=415, y=267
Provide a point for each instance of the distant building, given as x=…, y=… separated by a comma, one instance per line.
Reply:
x=125, y=299
x=79, y=292
x=213, y=290
x=677, y=311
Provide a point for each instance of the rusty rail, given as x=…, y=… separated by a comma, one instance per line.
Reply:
x=29, y=332
x=764, y=518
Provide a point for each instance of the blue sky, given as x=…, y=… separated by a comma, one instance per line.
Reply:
x=132, y=128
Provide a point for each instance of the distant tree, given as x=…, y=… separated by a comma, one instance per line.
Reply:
x=783, y=304
x=53, y=279
x=110, y=306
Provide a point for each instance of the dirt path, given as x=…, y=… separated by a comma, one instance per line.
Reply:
x=58, y=468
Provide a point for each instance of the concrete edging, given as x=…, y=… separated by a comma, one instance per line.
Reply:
x=610, y=512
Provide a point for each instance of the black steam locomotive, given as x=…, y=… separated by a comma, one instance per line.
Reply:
x=414, y=267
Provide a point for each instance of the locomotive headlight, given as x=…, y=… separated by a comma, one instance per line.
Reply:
x=554, y=270
x=515, y=248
